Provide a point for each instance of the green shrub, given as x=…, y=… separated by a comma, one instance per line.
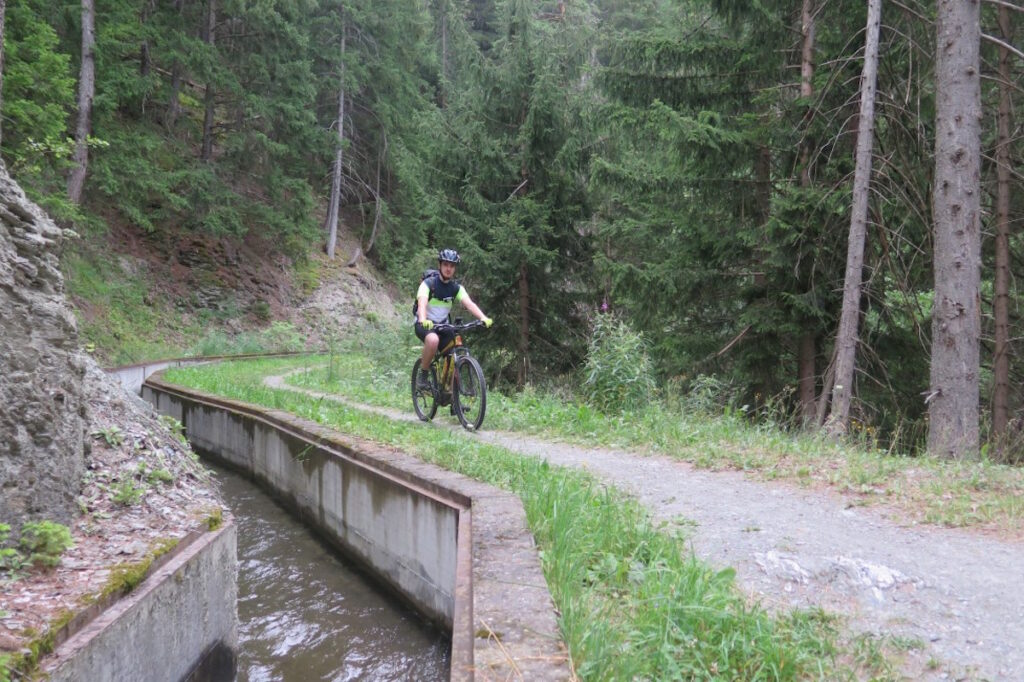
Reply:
x=5, y=667
x=708, y=395
x=128, y=494
x=44, y=542
x=261, y=310
x=10, y=558
x=618, y=374
x=113, y=436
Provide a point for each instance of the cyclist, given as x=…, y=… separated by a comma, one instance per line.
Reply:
x=434, y=300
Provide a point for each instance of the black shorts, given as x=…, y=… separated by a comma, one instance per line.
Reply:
x=445, y=336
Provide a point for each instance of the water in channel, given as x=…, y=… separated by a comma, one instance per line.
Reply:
x=305, y=613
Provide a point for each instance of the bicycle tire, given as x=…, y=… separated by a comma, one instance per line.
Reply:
x=470, y=393
x=424, y=402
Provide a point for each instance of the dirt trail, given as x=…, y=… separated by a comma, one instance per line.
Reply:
x=956, y=594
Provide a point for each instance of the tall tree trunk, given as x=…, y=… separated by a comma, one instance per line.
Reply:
x=445, y=66
x=174, y=101
x=807, y=349
x=209, y=37
x=524, y=327
x=377, y=209
x=763, y=197
x=86, y=90
x=847, y=336
x=336, y=179
x=956, y=310
x=145, y=58
x=1001, y=309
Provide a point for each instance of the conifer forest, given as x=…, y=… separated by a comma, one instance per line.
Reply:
x=812, y=209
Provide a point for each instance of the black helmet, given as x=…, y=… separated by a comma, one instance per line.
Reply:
x=448, y=256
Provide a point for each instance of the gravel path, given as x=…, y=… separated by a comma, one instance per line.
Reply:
x=958, y=594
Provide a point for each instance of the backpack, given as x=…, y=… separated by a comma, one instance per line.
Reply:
x=430, y=276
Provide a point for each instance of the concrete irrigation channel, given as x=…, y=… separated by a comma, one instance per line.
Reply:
x=456, y=551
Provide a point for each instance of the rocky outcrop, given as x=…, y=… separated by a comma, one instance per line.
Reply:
x=42, y=402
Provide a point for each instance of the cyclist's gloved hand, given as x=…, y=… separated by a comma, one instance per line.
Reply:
x=427, y=324
x=487, y=322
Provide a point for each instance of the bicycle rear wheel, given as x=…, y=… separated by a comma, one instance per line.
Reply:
x=470, y=389
x=423, y=400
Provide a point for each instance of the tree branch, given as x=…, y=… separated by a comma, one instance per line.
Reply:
x=1008, y=5
x=516, y=190
x=1002, y=44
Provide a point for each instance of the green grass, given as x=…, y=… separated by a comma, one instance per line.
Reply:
x=375, y=370
x=634, y=603
x=122, y=321
x=116, y=315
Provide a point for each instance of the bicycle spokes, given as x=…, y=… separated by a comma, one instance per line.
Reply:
x=424, y=398
x=470, y=393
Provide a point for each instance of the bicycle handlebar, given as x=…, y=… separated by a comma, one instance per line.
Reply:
x=475, y=324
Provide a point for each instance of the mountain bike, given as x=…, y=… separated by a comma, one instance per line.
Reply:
x=456, y=380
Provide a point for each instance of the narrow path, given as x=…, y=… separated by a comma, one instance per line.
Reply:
x=957, y=596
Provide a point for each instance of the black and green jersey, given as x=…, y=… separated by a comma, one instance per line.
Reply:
x=441, y=296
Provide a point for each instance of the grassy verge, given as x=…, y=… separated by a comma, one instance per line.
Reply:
x=634, y=602
x=921, y=489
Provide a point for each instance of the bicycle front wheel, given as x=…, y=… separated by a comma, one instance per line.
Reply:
x=423, y=399
x=470, y=389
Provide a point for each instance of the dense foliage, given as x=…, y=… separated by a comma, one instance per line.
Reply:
x=671, y=159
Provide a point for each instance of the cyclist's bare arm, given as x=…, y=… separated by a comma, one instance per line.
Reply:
x=421, y=310
x=472, y=307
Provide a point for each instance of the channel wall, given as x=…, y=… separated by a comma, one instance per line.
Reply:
x=179, y=623
x=457, y=550
x=131, y=377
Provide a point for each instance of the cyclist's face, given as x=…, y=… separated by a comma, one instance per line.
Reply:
x=447, y=269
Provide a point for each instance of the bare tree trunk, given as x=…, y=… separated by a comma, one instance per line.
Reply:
x=1001, y=308
x=377, y=200
x=86, y=90
x=377, y=194
x=445, y=67
x=336, y=180
x=145, y=58
x=847, y=336
x=808, y=29
x=174, y=102
x=807, y=350
x=524, y=327
x=956, y=311
x=763, y=196
x=826, y=391
x=3, y=18
x=209, y=36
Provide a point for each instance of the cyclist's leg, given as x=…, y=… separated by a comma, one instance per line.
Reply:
x=430, y=341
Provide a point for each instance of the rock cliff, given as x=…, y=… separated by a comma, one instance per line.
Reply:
x=42, y=401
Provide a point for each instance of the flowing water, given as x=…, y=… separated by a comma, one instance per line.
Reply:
x=305, y=613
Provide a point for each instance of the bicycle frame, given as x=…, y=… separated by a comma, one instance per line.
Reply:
x=445, y=362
